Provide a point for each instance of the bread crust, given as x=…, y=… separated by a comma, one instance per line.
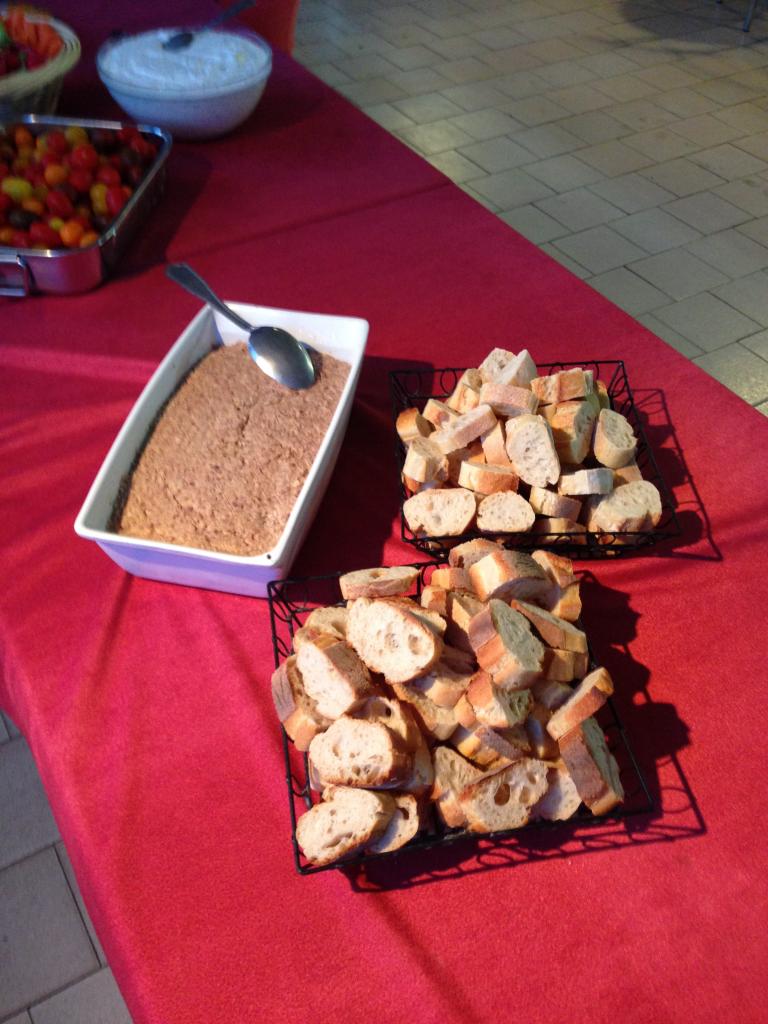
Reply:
x=592, y=767
x=378, y=582
x=585, y=701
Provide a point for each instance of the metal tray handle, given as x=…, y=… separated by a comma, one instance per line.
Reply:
x=25, y=276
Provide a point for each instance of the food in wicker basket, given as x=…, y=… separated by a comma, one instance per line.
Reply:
x=494, y=728
x=36, y=52
x=26, y=44
x=538, y=454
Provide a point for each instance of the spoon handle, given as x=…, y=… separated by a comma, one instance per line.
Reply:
x=230, y=12
x=184, y=275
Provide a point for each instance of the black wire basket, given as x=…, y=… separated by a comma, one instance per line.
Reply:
x=291, y=601
x=411, y=388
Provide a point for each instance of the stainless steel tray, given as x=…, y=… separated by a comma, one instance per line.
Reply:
x=65, y=271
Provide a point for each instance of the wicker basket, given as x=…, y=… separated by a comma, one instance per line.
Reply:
x=37, y=91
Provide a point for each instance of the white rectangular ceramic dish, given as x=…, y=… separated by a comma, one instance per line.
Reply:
x=339, y=336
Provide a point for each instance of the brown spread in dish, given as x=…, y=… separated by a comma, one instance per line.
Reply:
x=227, y=458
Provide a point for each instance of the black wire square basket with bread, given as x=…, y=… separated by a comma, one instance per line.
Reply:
x=550, y=456
x=425, y=705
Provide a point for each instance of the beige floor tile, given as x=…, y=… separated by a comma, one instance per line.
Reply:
x=565, y=261
x=458, y=46
x=669, y=77
x=731, y=252
x=757, y=229
x=726, y=91
x=763, y=408
x=455, y=166
x=369, y=65
x=640, y=115
x=599, y=249
x=548, y=140
x=579, y=209
x=511, y=189
x=628, y=291
x=580, y=99
x=678, y=273
x=757, y=343
x=745, y=117
x=686, y=102
x=622, y=88
x=419, y=81
x=477, y=96
x=409, y=58
x=496, y=154
x=707, y=212
x=563, y=173
x=595, y=127
x=707, y=130
x=331, y=75
x=375, y=90
x=682, y=177
x=434, y=138
x=534, y=224
x=757, y=145
x=427, y=108
x=565, y=74
x=485, y=124
x=511, y=61
x=750, y=194
x=632, y=193
x=729, y=162
x=552, y=51
x=466, y=71
x=749, y=295
x=707, y=321
x=388, y=117
x=614, y=158
x=663, y=331
x=471, y=191
x=522, y=85
x=740, y=370
x=661, y=144
x=499, y=38
x=656, y=230
x=535, y=110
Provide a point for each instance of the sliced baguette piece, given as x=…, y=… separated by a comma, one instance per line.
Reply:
x=334, y=676
x=553, y=630
x=592, y=767
x=439, y=722
x=531, y=450
x=562, y=386
x=507, y=400
x=565, y=602
x=410, y=424
x=471, y=551
x=424, y=462
x=504, y=800
x=572, y=426
x=444, y=685
x=458, y=660
x=346, y=821
x=626, y=474
x=504, y=512
x=379, y=582
x=557, y=567
x=553, y=505
x=615, y=443
x=306, y=634
x=494, y=445
x=358, y=752
x=542, y=744
x=585, y=701
x=559, y=665
x=508, y=574
x=453, y=774
x=402, y=827
x=397, y=717
x=500, y=709
x=295, y=709
x=462, y=609
x=391, y=640
x=495, y=364
x=485, y=746
x=547, y=527
x=487, y=479
x=431, y=619
x=331, y=620
x=505, y=646
x=459, y=432
x=451, y=578
x=505, y=367
x=439, y=413
x=445, y=512
x=561, y=800
x=466, y=394
x=435, y=599
x=630, y=508
x=422, y=777
x=550, y=693
x=586, y=481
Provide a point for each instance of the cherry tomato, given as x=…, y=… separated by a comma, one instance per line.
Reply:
x=59, y=203
x=88, y=239
x=116, y=199
x=71, y=233
x=6, y=236
x=108, y=174
x=98, y=194
x=84, y=157
x=32, y=205
x=55, y=174
x=23, y=137
x=75, y=135
x=56, y=142
x=44, y=234
x=56, y=223
x=80, y=179
x=142, y=146
x=5, y=202
x=4, y=169
x=16, y=188
x=20, y=239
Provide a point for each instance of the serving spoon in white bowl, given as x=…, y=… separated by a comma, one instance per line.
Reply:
x=181, y=40
x=276, y=352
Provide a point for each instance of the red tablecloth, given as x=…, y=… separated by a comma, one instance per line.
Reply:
x=147, y=706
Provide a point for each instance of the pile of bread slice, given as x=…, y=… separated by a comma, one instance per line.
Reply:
x=474, y=700
x=510, y=452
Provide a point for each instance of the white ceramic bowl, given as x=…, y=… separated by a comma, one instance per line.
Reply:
x=151, y=89
x=339, y=336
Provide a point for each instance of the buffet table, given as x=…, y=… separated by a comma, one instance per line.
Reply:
x=147, y=706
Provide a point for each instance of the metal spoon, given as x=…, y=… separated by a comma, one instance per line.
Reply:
x=181, y=40
x=276, y=352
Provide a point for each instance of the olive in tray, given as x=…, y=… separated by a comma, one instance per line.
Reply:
x=70, y=196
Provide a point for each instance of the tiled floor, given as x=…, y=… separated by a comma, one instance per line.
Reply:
x=627, y=138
